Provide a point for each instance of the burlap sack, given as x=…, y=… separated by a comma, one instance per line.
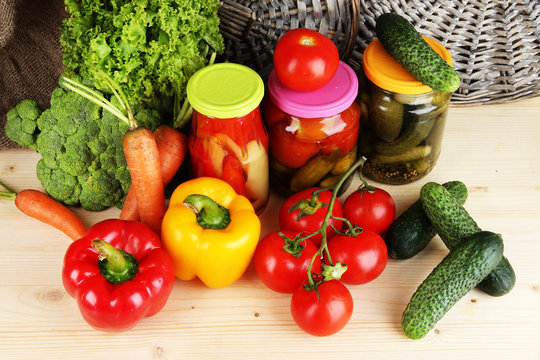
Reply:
x=30, y=54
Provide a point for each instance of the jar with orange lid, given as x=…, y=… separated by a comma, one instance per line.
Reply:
x=313, y=135
x=402, y=121
x=228, y=139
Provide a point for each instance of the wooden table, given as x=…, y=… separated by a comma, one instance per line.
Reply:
x=493, y=149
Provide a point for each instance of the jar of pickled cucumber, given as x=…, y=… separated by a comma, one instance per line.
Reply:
x=402, y=121
x=313, y=135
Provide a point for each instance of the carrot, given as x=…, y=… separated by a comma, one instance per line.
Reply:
x=172, y=149
x=44, y=208
x=140, y=150
x=142, y=158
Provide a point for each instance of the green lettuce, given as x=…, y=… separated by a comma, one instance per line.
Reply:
x=150, y=47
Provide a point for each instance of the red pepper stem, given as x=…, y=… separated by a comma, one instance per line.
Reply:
x=322, y=229
x=115, y=265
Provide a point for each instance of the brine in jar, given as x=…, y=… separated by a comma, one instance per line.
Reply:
x=228, y=139
x=403, y=120
x=313, y=135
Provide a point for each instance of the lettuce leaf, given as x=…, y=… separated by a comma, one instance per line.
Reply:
x=150, y=47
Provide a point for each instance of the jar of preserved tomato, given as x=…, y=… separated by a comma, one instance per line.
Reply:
x=227, y=138
x=402, y=121
x=313, y=135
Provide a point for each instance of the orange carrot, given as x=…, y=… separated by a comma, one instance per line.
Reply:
x=44, y=208
x=172, y=148
x=142, y=158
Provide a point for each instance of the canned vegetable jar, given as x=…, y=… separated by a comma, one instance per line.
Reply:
x=403, y=120
x=228, y=139
x=313, y=135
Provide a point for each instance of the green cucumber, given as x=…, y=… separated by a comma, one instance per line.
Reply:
x=453, y=223
x=411, y=231
x=401, y=40
x=411, y=136
x=457, y=274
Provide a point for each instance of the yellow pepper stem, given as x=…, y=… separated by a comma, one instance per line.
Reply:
x=210, y=215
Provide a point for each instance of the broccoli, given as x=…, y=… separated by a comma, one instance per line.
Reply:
x=21, y=123
x=82, y=159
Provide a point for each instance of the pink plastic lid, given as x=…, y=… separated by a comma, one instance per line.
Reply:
x=331, y=99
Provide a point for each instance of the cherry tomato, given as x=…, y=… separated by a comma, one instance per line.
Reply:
x=323, y=312
x=280, y=270
x=305, y=60
x=365, y=255
x=370, y=210
x=315, y=213
x=287, y=150
x=271, y=113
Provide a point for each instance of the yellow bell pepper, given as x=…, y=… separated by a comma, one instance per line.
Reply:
x=210, y=232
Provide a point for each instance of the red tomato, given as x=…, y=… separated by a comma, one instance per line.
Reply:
x=323, y=312
x=347, y=138
x=278, y=269
x=271, y=113
x=288, y=220
x=365, y=256
x=287, y=150
x=370, y=210
x=305, y=60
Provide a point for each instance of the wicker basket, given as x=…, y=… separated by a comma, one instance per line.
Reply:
x=495, y=44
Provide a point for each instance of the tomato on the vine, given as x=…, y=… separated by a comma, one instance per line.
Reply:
x=370, y=208
x=282, y=264
x=365, y=255
x=305, y=60
x=304, y=212
x=324, y=311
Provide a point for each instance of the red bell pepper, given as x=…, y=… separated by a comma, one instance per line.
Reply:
x=118, y=273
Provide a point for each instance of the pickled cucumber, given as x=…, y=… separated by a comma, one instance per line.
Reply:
x=415, y=153
x=413, y=135
x=386, y=116
x=345, y=162
x=313, y=171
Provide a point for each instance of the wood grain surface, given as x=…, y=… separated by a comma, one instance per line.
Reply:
x=493, y=149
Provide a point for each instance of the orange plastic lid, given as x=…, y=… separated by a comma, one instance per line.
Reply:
x=385, y=72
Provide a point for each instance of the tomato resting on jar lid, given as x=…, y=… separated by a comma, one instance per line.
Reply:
x=313, y=135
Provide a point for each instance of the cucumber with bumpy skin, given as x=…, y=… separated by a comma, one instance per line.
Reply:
x=457, y=274
x=411, y=231
x=401, y=40
x=453, y=223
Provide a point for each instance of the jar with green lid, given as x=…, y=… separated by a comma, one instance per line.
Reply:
x=402, y=121
x=227, y=138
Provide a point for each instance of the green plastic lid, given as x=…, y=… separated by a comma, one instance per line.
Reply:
x=225, y=90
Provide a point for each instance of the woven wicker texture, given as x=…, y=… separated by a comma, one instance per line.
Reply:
x=251, y=29
x=495, y=44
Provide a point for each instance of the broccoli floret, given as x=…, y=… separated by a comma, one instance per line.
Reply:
x=101, y=187
x=59, y=184
x=21, y=125
x=82, y=158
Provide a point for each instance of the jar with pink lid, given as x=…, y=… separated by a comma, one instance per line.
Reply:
x=312, y=135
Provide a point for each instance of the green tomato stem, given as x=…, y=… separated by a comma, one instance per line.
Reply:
x=322, y=229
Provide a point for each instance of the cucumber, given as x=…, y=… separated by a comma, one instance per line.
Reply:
x=453, y=223
x=459, y=272
x=412, y=135
x=401, y=40
x=411, y=231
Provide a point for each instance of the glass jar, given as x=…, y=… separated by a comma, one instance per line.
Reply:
x=228, y=139
x=313, y=135
x=403, y=120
